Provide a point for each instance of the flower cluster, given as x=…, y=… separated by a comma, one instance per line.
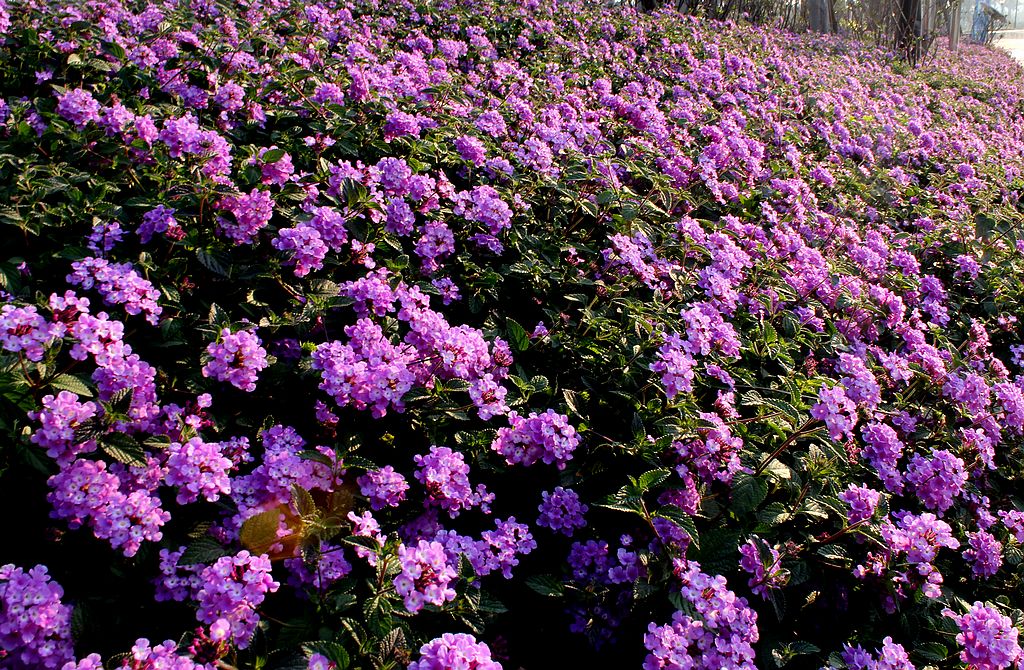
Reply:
x=384, y=487
x=719, y=634
x=119, y=284
x=763, y=563
x=198, y=469
x=24, y=329
x=232, y=589
x=455, y=650
x=35, y=626
x=547, y=437
x=988, y=638
x=445, y=475
x=87, y=492
x=891, y=656
x=425, y=575
x=236, y=358
x=562, y=511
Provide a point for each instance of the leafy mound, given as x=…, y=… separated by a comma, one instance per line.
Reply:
x=359, y=334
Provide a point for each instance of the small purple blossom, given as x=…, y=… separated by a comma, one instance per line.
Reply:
x=562, y=511
x=425, y=575
x=454, y=650
x=233, y=589
x=236, y=358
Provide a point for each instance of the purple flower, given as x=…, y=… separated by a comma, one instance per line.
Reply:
x=159, y=220
x=307, y=247
x=236, y=358
x=562, y=511
x=119, y=284
x=546, y=437
x=60, y=416
x=445, y=475
x=483, y=204
x=471, y=150
x=401, y=124
x=837, y=411
x=454, y=650
x=892, y=656
x=86, y=492
x=24, y=329
x=675, y=365
x=279, y=172
x=35, y=627
x=718, y=633
x=252, y=212
x=233, y=589
x=198, y=469
x=988, y=638
x=937, y=480
x=384, y=487
x=862, y=501
x=329, y=566
x=491, y=123
x=79, y=107
x=425, y=575
x=984, y=553
x=762, y=562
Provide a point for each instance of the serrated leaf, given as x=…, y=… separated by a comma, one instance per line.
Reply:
x=314, y=455
x=931, y=651
x=360, y=541
x=748, y=493
x=123, y=449
x=272, y=156
x=546, y=585
x=213, y=263
x=259, y=532
x=73, y=384
x=203, y=550
x=334, y=652
x=622, y=503
x=652, y=478
x=517, y=335
x=681, y=519
x=303, y=501
x=217, y=316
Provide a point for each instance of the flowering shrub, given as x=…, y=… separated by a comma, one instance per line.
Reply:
x=477, y=334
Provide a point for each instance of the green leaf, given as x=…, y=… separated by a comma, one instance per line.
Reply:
x=546, y=585
x=204, y=550
x=748, y=493
x=304, y=504
x=681, y=519
x=652, y=478
x=272, y=156
x=931, y=651
x=334, y=651
x=214, y=263
x=72, y=384
x=517, y=335
x=360, y=541
x=217, y=316
x=123, y=449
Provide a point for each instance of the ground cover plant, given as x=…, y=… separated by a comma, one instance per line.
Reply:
x=479, y=334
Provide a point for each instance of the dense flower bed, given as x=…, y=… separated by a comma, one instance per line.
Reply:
x=475, y=334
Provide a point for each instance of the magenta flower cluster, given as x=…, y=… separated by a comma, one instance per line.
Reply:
x=232, y=590
x=236, y=358
x=546, y=437
x=455, y=650
x=425, y=577
x=35, y=626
